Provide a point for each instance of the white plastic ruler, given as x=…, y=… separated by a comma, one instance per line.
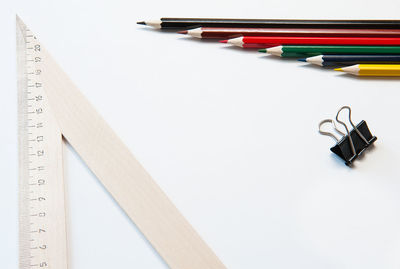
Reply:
x=52, y=107
x=41, y=186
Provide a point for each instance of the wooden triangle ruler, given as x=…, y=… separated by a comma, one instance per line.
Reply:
x=50, y=107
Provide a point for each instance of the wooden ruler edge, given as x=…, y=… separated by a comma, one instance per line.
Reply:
x=127, y=181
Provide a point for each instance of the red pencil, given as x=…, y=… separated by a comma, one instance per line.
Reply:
x=221, y=33
x=269, y=41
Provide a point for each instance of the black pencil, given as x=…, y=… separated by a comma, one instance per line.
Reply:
x=187, y=23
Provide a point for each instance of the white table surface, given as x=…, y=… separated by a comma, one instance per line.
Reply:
x=230, y=136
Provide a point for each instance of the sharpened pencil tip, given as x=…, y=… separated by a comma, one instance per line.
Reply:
x=223, y=41
x=183, y=32
x=302, y=60
x=262, y=50
x=141, y=22
x=338, y=69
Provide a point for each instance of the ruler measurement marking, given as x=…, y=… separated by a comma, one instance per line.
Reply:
x=31, y=141
x=42, y=242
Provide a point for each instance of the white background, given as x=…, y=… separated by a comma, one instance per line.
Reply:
x=230, y=135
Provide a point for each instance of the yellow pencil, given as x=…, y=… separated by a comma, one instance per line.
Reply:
x=372, y=70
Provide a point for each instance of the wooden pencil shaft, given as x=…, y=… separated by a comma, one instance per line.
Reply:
x=380, y=74
x=379, y=70
x=224, y=33
x=341, y=64
x=298, y=51
x=284, y=40
x=184, y=23
x=361, y=58
x=372, y=70
x=342, y=60
x=259, y=45
x=298, y=55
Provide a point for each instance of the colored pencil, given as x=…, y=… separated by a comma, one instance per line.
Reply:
x=220, y=33
x=372, y=70
x=268, y=41
x=186, y=23
x=329, y=60
x=304, y=51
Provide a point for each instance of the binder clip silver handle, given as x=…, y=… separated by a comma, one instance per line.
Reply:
x=329, y=133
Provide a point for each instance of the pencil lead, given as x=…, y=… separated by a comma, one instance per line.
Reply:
x=338, y=69
x=223, y=41
x=183, y=32
x=141, y=22
x=302, y=60
x=262, y=50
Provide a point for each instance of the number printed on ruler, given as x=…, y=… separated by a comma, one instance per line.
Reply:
x=43, y=189
x=38, y=178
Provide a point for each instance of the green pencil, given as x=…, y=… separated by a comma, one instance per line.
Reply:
x=294, y=51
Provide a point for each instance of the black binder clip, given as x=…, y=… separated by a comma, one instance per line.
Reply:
x=349, y=147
